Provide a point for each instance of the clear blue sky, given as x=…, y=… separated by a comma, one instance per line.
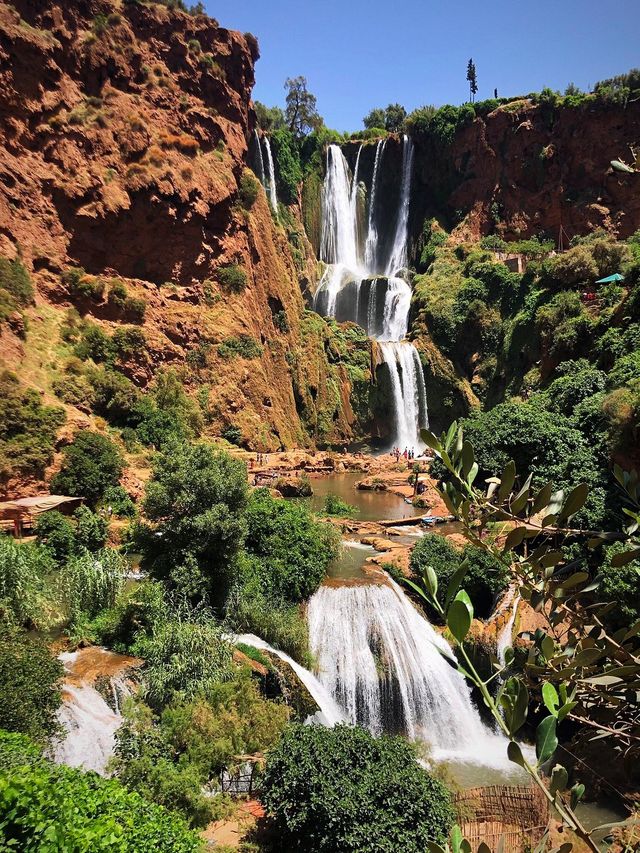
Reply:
x=358, y=54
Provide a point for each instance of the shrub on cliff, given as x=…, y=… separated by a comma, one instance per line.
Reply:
x=287, y=164
x=27, y=429
x=232, y=277
x=16, y=289
x=248, y=190
x=244, y=346
x=343, y=789
x=91, y=464
x=30, y=678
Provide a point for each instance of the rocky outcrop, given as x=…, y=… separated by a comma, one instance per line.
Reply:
x=526, y=170
x=124, y=132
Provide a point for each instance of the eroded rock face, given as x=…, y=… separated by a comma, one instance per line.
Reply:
x=124, y=133
x=525, y=170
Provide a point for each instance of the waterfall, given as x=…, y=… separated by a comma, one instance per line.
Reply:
x=386, y=300
x=271, y=180
x=330, y=713
x=90, y=726
x=505, y=637
x=399, y=256
x=389, y=670
x=371, y=243
x=338, y=240
x=408, y=392
x=258, y=157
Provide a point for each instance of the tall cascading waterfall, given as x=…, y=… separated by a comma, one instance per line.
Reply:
x=271, y=185
x=266, y=174
x=359, y=285
x=389, y=670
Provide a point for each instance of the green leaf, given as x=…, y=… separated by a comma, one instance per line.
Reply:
x=431, y=845
x=431, y=580
x=467, y=458
x=507, y=480
x=459, y=619
x=625, y=557
x=548, y=647
x=514, y=538
x=456, y=838
x=574, y=580
x=550, y=698
x=559, y=779
x=514, y=753
x=430, y=439
x=455, y=581
x=520, y=500
x=577, y=793
x=575, y=500
x=484, y=848
x=542, y=499
x=546, y=739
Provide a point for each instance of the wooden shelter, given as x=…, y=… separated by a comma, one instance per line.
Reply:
x=18, y=516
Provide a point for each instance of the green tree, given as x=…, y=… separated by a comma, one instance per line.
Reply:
x=269, y=118
x=30, y=680
x=195, y=501
x=294, y=550
x=57, y=534
x=301, y=113
x=91, y=463
x=374, y=119
x=472, y=79
x=394, y=117
x=91, y=529
x=343, y=789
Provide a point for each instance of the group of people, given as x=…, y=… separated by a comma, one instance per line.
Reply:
x=407, y=453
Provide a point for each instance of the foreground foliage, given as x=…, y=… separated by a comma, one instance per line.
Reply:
x=342, y=789
x=48, y=808
x=576, y=668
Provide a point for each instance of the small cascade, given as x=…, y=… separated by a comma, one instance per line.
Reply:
x=89, y=721
x=330, y=712
x=270, y=185
x=399, y=256
x=90, y=726
x=338, y=244
x=505, y=637
x=389, y=670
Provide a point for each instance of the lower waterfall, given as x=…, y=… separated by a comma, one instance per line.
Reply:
x=408, y=391
x=389, y=670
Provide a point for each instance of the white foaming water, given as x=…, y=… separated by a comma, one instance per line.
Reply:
x=408, y=391
x=259, y=158
x=330, y=712
x=338, y=240
x=371, y=243
x=397, y=298
x=389, y=670
x=90, y=726
x=398, y=258
x=505, y=637
x=271, y=181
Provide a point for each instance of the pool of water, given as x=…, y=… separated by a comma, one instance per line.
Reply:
x=350, y=562
x=372, y=506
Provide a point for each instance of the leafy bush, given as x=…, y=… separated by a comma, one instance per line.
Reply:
x=57, y=534
x=620, y=584
x=91, y=463
x=248, y=190
x=27, y=429
x=232, y=277
x=293, y=549
x=117, y=500
x=287, y=164
x=48, y=807
x=334, y=505
x=30, y=679
x=135, y=615
x=184, y=658
x=16, y=289
x=91, y=529
x=23, y=569
x=92, y=582
x=342, y=789
x=244, y=346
